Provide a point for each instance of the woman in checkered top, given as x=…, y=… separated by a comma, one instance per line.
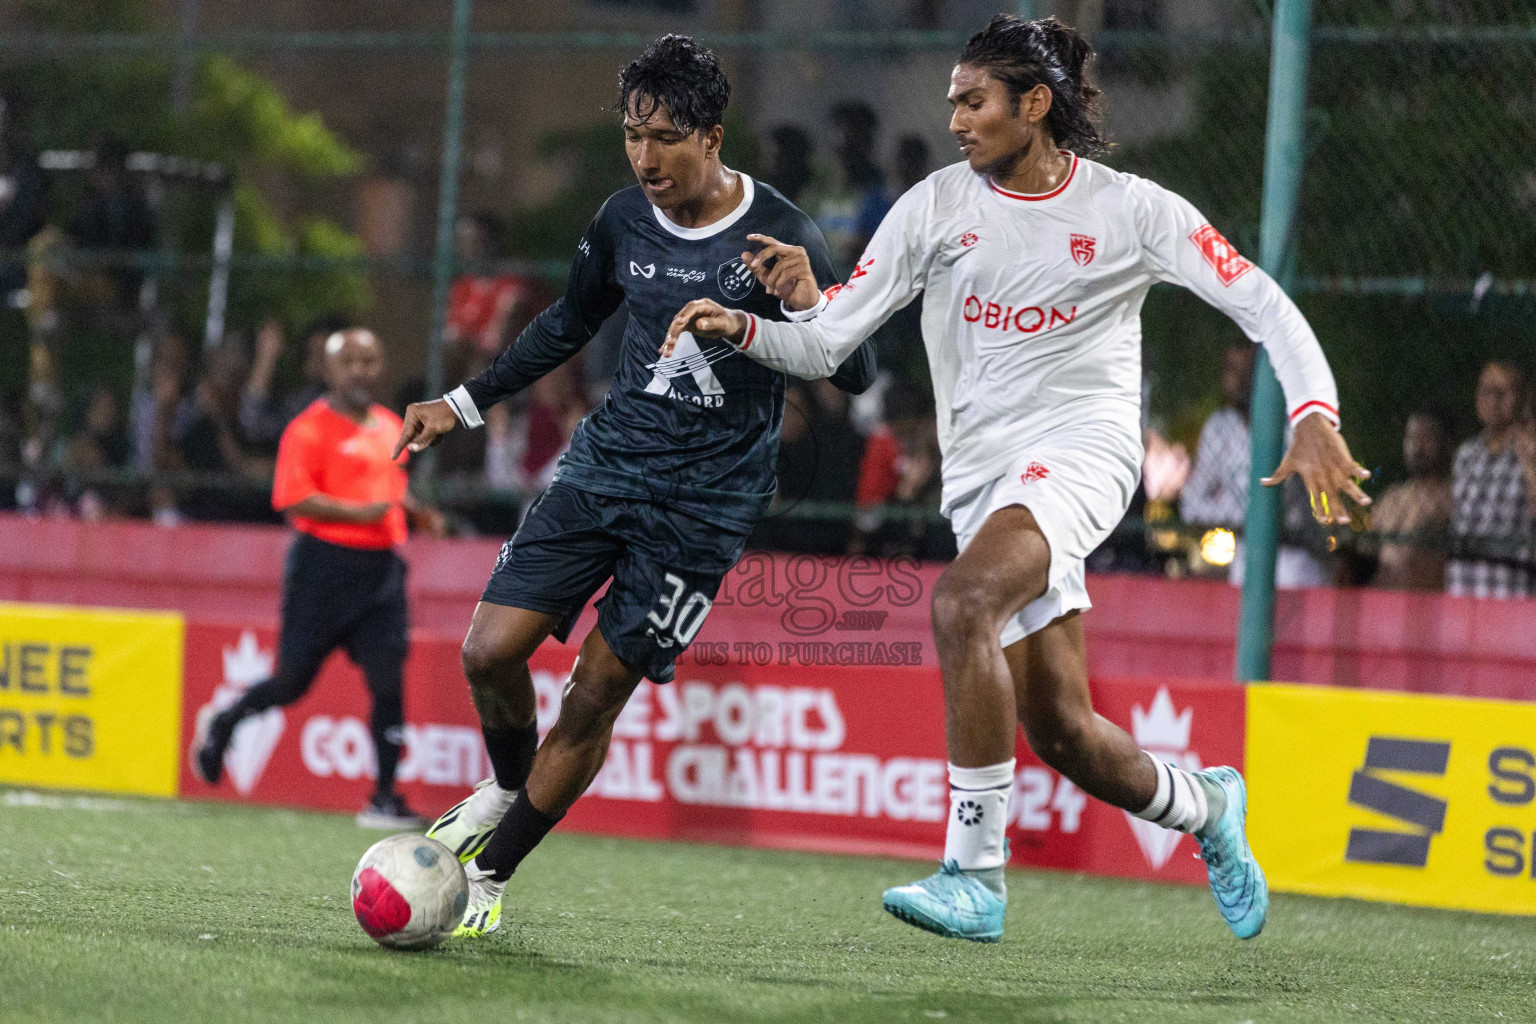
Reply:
x=1494, y=478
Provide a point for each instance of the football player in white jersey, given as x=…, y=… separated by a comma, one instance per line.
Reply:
x=1034, y=261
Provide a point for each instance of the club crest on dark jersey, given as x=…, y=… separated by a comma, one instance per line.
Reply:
x=735, y=280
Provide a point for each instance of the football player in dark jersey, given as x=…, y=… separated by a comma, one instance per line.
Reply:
x=662, y=483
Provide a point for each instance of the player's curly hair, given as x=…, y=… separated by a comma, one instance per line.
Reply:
x=677, y=75
x=1023, y=54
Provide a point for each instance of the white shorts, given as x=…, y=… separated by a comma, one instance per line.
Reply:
x=1078, y=487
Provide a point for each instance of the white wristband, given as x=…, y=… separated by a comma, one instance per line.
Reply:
x=1316, y=405
x=464, y=407
x=800, y=316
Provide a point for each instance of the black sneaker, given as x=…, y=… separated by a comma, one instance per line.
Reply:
x=390, y=811
x=209, y=741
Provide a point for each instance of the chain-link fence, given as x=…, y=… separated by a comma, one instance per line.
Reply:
x=199, y=188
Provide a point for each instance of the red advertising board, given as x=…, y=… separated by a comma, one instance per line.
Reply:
x=753, y=751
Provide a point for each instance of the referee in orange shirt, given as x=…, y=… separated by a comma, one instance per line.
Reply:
x=344, y=585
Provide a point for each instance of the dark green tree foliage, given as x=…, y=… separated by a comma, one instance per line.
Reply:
x=236, y=118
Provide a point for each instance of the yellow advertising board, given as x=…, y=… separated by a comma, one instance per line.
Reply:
x=1426, y=800
x=90, y=699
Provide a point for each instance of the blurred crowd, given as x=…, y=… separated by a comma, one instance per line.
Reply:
x=1459, y=521
x=195, y=434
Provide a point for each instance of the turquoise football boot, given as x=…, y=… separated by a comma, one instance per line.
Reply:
x=1237, y=881
x=950, y=904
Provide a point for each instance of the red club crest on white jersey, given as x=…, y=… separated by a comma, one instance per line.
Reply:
x=1082, y=249
x=1034, y=471
x=968, y=239
x=1228, y=263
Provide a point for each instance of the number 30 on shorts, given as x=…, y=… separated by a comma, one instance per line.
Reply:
x=684, y=617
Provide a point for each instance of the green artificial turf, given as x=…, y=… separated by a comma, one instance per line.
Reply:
x=127, y=910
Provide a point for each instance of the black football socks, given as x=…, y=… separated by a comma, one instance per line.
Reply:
x=522, y=828
x=511, y=752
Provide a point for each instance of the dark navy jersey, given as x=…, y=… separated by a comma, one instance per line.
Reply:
x=699, y=431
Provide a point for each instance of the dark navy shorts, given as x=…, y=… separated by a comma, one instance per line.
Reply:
x=666, y=568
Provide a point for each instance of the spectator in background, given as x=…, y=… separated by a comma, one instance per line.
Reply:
x=788, y=167
x=1492, y=481
x=21, y=196
x=900, y=340
x=151, y=425
x=1164, y=468
x=487, y=307
x=855, y=201
x=115, y=215
x=207, y=430
x=263, y=417
x=101, y=443
x=10, y=436
x=1216, y=493
x=899, y=467
x=526, y=437
x=208, y=439
x=818, y=462
x=1420, y=505
x=819, y=450
x=153, y=404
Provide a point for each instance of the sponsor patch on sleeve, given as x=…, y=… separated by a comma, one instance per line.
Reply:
x=1228, y=263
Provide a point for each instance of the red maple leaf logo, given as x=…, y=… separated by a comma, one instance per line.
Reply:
x=1228, y=263
x=1082, y=249
x=968, y=239
x=1034, y=471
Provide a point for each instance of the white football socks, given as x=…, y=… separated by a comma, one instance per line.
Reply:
x=978, y=813
x=1180, y=801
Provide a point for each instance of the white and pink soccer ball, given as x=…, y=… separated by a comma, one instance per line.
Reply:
x=409, y=892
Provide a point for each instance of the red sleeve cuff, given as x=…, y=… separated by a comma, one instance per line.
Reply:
x=746, y=342
x=1316, y=405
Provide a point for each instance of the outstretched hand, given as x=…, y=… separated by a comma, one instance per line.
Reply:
x=1320, y=456
x=784, y=271
x=424, y=425
x=704, y=318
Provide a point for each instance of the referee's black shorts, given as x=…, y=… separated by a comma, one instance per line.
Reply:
x=336, y=596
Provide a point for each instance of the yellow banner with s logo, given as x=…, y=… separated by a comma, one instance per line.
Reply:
x=1426, y=800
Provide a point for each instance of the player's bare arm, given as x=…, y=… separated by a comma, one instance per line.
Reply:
x=1320, y=456
x=424, y=425
x=706, y=318
x=424, y=518
x=327, y=509
x=784, y=271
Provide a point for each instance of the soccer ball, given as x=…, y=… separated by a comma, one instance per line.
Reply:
x=409, y=892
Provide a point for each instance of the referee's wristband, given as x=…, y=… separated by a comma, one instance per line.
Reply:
x=464, y=407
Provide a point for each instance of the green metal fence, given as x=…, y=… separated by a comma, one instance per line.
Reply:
x=1409, y=243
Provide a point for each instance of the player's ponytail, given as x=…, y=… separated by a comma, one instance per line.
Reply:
x=1023, y=54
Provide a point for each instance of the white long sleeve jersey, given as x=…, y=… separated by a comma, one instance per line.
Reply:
x=1031, y=316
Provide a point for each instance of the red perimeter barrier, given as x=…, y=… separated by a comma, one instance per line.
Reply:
x=1140, y=625
x=832, y=758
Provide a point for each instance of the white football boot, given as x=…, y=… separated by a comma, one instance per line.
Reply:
x=467, y=826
